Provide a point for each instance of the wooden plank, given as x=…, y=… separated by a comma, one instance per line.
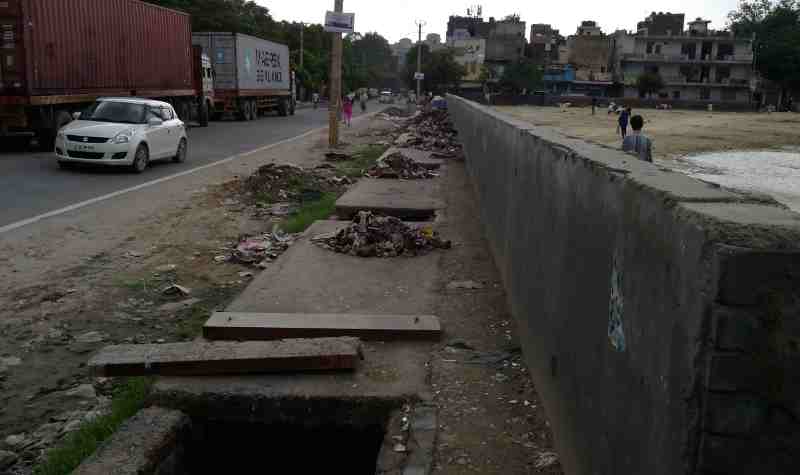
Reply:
x=221, y=357
x=272, y=326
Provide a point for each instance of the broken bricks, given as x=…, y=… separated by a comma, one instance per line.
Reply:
x=371, y=235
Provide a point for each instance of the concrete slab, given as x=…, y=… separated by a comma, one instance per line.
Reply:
x=309, y=279
x=422, y=157
x=405, y=199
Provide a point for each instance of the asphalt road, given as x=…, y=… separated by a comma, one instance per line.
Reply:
x=32, y=184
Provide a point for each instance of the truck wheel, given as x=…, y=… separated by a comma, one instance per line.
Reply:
x=254, y=110
x=141, y=159
x=47, y=136
x=283, y=108
x=183, y=111
x=202, y=114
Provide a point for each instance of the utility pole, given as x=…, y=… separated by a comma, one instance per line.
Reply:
x=336, y=83
x=420, y=24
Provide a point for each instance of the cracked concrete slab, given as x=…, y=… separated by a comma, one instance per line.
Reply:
x=405, y=199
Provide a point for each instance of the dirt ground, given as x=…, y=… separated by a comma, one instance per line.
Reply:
x=675, y=133
x=72, y=284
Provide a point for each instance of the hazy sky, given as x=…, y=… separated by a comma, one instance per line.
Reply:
x=395, y=19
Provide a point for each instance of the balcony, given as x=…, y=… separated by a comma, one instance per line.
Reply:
x=684, y=58
x=684, y=81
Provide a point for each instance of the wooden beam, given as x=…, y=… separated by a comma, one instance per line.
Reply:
x=272, y=326
x=206, y=358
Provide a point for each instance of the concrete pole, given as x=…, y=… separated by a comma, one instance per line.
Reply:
x=336, y=83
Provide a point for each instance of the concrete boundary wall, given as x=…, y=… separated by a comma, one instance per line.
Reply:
x=659, y=315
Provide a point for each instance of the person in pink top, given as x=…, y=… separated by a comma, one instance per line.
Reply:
x=347, y=108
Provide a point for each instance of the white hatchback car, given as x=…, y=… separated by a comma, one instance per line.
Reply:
x=123, y=131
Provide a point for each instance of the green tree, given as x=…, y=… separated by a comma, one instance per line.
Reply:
x=649, y=83
x=776, y=28
x=440, y=68
x=522, y=76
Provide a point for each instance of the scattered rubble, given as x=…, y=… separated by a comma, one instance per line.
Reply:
x=337, y=157
x=371, y=235
x=397, y=165
x=175, y=289
x=431, y=131
x=273, y=183
x=254, y=250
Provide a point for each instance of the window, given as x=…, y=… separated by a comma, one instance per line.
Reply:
x=658, y=49
x=153, y=113
x=649, y=49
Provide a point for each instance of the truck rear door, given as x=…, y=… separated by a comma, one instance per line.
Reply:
x=12, y=67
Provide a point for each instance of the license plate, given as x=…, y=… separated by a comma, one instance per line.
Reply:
x=83, y=148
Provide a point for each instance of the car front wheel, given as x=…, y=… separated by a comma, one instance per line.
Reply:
x=141, y=159
x=180, y=156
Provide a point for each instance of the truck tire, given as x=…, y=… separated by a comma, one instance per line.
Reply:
x=184, y=111
x=244, y=110
x=283, y=108
x=254, y=110
x=202, y=114
x=47, y=136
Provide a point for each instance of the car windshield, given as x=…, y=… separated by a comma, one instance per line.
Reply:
x=112, y=111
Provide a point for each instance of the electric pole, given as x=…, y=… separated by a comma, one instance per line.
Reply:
x=336, y=83
x=420, y=24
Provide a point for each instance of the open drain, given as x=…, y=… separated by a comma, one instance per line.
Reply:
x=242, y=448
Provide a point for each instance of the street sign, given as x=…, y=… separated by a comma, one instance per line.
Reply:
x=419, y=76
x=339, y=22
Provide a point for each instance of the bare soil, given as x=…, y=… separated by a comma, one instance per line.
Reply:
x=675, y=133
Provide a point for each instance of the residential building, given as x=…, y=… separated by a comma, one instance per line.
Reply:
x=544, y=44
x=589, y=28
x=400, y=50
x=434, y=42
x=470, y=53
x=505, y=39
x=696, y=64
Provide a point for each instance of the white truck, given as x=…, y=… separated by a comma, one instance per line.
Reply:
x=251, y=75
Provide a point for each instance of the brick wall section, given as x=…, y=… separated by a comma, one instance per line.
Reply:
x=752, y=399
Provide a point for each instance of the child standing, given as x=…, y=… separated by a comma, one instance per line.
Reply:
x=347, y=108
x=637, y=143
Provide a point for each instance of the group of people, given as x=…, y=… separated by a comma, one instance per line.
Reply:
x=636, y=143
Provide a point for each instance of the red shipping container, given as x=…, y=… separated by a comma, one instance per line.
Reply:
x=97, y=47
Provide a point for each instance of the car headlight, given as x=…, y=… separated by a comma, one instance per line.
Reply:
x=123, y=137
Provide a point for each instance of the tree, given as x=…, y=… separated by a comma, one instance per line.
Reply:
x=522, y=76
x=649, y=83
x=776, y=27
x=440, y=68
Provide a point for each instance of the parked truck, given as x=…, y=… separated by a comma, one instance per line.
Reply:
x=57, y=57
x=251, y=75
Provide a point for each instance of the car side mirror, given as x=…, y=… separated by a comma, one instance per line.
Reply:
x=155, y=122
x=76, y=115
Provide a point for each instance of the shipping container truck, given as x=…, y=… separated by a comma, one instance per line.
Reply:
x=251, y=75
x=58, y=56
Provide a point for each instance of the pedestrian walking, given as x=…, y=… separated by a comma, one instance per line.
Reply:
x=623, y=121
x=637, y=143
x=347, y=109
x=364, y=101
x=315, y=99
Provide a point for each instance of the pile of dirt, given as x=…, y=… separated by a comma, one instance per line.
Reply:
x=397, y=165
x=371, y=235
x=290, y=183
x=431, y=131
x=394, y=112
x=260, y=250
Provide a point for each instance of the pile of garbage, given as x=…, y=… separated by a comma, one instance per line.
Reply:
x=259, y=250
x=281, y=183
x=431, y=131
x=397, y=165
x=372, y=235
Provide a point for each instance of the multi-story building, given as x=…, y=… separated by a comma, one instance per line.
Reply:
x=470, y=53
x=544, y=44
x=697, y=64
x=400, y=50
x=505, y=39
